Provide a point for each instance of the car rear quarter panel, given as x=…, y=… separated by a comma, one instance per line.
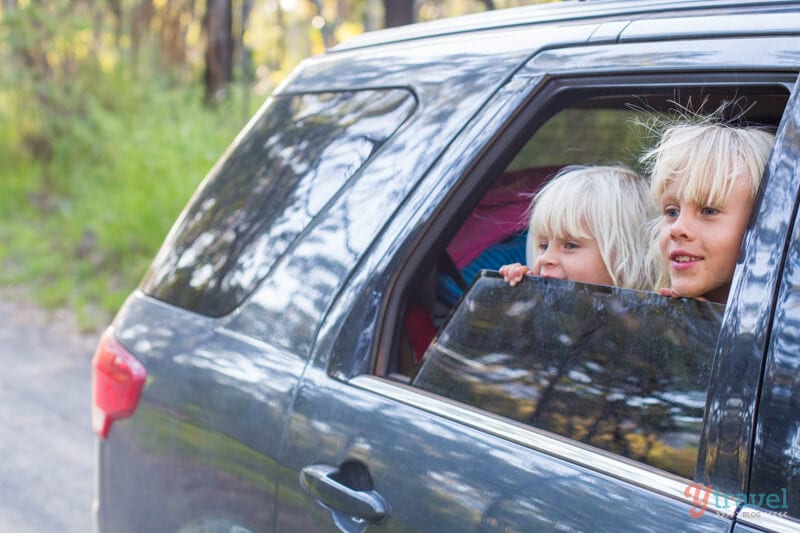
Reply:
x=202, y=442
x=452, y=80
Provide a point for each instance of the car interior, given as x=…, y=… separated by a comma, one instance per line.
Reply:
x=591, y=126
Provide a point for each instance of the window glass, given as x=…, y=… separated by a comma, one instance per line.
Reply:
x=584, y=127
x=586, y=136
x=626, y=371
x=297, y=155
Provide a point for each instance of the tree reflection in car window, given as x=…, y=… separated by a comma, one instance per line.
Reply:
x=626, y=371
x=295, y=156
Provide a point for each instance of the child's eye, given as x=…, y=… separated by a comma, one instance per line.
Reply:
x=709, y=211
x=542, y=246
x=569, y=245
x=671, y=212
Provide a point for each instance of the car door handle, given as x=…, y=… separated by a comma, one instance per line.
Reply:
x=321, y=483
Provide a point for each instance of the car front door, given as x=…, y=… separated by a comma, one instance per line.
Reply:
x=773, y=496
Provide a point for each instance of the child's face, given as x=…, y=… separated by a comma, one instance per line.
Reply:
x=700, y=244
x=572, y=259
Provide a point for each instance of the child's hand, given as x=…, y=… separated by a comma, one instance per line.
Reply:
x=513, y=273
x=672, y=293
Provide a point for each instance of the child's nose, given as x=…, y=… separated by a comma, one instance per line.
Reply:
x=548, y=257
x=681, y=227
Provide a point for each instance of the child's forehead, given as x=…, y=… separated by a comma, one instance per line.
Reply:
x=562, y=234
x=700, y=189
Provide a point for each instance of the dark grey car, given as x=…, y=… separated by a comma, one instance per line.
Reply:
x=317, y=346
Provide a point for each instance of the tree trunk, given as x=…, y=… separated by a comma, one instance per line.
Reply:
x=219, y=49
x=398, y=12
x=116, y=11
x=240, y=50
x=280, y=45
x=141, y=15
x=244, y=59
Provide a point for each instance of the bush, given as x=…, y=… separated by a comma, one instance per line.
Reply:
x=119, y=175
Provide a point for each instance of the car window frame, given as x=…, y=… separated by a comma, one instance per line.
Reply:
x=489, y=300
x=382, y=279
x=157, y=282
x=776, y=365
x=535, y=112
x=658, y=479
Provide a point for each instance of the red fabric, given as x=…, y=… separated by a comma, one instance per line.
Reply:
x=420, y=329
x=502, y=212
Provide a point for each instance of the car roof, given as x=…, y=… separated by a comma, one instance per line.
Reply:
x=555, y=14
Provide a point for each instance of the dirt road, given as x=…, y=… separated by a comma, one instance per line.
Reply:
x=46, y=442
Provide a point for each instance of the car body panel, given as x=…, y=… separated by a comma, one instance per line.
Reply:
x=285, y=309
x=553, y=14
x=187, y=437
x=436, y=473
x=774, y=22
x=757, y=519
x=233, y=410
x=435, y=71
x=369, y=428
x=776, y=464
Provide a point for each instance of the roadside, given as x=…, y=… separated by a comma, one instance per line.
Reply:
x=46, y=442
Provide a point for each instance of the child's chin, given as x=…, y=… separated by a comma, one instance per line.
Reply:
x=687, y=291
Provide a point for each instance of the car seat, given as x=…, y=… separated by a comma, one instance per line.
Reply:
x=494, y=234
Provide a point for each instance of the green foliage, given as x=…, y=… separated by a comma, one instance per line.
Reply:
x=103, y=136
x=593, y=137
x=119, y=175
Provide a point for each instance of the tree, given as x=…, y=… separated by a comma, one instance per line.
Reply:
x=218, y=23
x=398, y=12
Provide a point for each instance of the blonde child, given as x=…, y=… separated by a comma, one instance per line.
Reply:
x=588, y=224
x=704, y=179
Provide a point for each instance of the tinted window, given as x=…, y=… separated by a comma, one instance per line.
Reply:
x=590, y=126
x=623, y=370
x=294, y=158
x=585, y=136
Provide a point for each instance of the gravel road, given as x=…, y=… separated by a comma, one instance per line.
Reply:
x=46, y=441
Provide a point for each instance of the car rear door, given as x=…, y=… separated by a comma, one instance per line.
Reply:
x=362, y=449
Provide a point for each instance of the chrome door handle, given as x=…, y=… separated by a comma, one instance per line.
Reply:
x=320, y=483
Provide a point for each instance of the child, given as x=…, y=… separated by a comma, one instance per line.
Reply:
x=704, y=179
x=588, y=224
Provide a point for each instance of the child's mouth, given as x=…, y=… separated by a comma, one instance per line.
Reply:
x=681, y=261
x=685, y=258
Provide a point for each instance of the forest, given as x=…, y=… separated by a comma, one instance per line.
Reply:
x=112, y=112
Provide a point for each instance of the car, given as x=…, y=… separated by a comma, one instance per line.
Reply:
x=321, y=342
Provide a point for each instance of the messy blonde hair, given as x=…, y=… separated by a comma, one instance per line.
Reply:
x=706, y=158
x=604, y=203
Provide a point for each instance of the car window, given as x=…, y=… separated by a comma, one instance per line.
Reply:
x=588, y=136
x=293, y=159
x=622, y=370
x=585, y=128
x=624, y=374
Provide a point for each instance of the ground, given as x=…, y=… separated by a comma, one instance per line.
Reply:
x=46, y=442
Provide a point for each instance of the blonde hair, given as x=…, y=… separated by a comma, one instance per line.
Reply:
x=706, y=158
x=604, y=203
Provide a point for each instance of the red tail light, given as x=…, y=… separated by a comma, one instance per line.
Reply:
x=117, y=381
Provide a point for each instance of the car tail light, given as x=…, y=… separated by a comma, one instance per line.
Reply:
x=117, y=381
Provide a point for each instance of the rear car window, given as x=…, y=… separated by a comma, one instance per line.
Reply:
x=293, y=159
x=622, y=370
